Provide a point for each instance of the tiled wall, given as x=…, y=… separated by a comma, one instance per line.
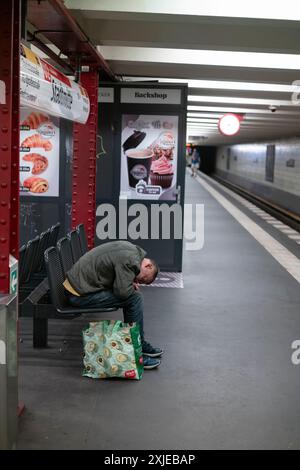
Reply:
x=249, y=161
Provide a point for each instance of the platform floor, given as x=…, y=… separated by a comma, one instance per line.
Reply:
x=226, y=380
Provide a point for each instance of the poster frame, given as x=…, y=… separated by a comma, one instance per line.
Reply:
x=174, y=263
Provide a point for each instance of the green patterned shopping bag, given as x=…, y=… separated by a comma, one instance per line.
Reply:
x=112, y=349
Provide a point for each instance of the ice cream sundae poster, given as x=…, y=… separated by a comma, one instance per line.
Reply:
x=39, y=154
x=149, y=157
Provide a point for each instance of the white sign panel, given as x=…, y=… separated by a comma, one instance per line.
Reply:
x=150, y=95
x=39, y=154
x=13, y=269
x=2, y=92
x=105, y=95
x=45, y=88
x=149, y=157
x=2, y=352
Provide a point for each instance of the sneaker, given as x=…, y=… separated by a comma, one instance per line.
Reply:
x=150, y=363
x=150, y=351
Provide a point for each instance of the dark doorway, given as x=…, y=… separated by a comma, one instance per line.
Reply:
x=228, y=159
x=207, y=159
x=270, y=163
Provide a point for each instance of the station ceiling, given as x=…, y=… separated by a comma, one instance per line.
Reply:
x=236, y=56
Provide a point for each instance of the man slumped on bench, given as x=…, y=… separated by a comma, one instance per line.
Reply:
x=108, y=276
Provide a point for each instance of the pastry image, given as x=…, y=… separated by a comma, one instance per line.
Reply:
x=35, y=120
x=37, y=141
x=161, y=172
x=40, y=163
x=160, y=152
x=164, y=146
x=36, y=185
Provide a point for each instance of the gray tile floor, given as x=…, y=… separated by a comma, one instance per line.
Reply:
x=226, y=380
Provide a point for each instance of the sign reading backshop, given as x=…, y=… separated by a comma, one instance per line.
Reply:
x=45, y=88
x=150, y=95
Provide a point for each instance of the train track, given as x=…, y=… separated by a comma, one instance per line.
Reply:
x=290, y=218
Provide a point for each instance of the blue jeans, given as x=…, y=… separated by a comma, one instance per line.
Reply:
x=133, y=306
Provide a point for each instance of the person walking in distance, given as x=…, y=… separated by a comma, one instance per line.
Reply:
x=195, y=161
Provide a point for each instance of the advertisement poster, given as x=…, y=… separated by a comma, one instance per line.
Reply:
x=39, y=154
x=42, y=86
x=149, y=157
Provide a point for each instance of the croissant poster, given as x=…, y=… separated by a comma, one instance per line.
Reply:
x=149, y=157
x=39, y=154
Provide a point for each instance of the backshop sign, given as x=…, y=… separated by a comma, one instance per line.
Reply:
x=45, y=88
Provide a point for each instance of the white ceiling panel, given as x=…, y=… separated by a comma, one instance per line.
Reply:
x=236, y=56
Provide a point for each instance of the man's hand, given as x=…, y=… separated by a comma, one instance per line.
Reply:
x=136, y=286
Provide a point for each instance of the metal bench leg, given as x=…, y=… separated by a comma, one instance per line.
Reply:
x=40, y=332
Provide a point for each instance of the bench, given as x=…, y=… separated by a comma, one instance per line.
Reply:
x=56, y=275
x=48, y=300
x=82, y=238
x=73, y=236
x=33, y=284
x=31, y=259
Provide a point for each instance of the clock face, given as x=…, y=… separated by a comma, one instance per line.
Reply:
x=229, y=124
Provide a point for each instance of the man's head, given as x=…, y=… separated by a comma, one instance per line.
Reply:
x=148, y=271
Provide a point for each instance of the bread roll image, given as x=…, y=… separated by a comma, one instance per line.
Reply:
x=40, y=163
x=37, y=141
x=35, y=120
x=36, y=185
